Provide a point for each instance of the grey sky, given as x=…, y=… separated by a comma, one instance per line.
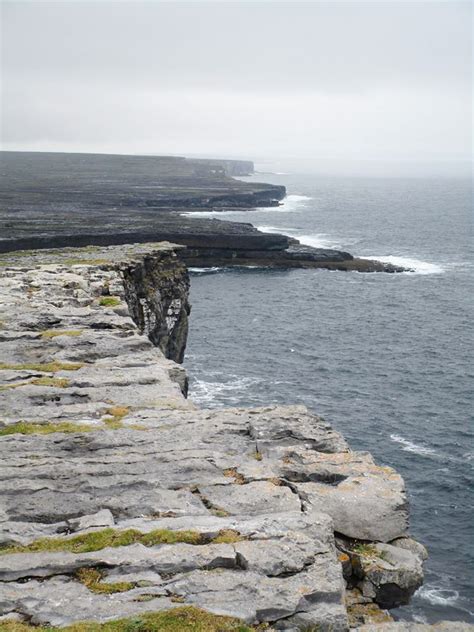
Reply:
x=382, y=81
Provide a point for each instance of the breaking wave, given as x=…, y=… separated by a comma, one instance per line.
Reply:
x=316, y=240
x=438, y=596
x=410, y=446
x=418, y=266
x=207, y=392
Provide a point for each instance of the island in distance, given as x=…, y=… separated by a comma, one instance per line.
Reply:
x=61, y=200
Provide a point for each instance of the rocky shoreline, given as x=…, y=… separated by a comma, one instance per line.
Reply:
x=68, y=200
x=122, y=500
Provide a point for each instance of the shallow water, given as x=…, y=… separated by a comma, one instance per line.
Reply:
x=384, y=358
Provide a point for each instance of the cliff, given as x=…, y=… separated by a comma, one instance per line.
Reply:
x=120, y=499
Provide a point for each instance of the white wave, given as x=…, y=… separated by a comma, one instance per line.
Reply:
x=290, y=203
x=205, y=213
x=204, y=270
x=316, y=240
x=410, y=446
x=418, y=266
x=437, y=596
x=206, y=392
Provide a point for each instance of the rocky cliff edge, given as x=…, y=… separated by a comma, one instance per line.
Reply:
x=122, y=501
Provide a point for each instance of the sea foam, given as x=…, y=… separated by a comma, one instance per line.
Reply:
x=410, y=446
x=416, y=265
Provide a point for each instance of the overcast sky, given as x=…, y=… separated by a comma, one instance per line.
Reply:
x=344, y=81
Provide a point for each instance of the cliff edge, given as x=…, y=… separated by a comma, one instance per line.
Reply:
x=121, y=499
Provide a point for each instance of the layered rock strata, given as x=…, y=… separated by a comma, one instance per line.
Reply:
x=119, y=497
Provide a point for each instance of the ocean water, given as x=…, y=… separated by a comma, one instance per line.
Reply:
x=384, y=358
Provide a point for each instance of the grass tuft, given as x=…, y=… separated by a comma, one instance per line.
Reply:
x=97, y=540
x=227, y=536
x=57, y=382
x=180, y=619
x=117, y=413
x=92, y=579
x=47, y=367
x=7, y=387
x=110, y=301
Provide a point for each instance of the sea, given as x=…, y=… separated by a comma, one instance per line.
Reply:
x=385, y=358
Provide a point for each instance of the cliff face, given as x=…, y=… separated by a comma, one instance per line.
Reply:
x=262, y=514
x=156, y=290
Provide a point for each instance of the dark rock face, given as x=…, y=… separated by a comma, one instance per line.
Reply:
x=156, y=290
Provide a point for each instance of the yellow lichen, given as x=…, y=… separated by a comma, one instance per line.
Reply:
x=54, y=333
x=57, y=382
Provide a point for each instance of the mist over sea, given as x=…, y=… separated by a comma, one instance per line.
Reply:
x=384, y=358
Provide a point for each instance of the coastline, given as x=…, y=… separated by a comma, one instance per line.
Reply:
x=72, y=200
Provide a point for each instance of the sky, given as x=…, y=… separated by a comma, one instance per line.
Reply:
x=338, y=83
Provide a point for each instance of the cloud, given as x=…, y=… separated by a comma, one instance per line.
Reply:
x=358, y=80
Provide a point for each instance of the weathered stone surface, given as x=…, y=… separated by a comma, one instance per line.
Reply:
x=408, y=626
x=366, y=501
x=390, y=576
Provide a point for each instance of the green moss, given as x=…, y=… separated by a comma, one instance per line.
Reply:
x=47, y=367
x=53, y=333
x=110, y=301
x=92, y=579
x=97, y=540
x=180, y=619
x=25, y=427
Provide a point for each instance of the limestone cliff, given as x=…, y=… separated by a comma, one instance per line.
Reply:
x=119, y=498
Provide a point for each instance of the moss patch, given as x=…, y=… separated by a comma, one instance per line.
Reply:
x=47, y=367
x=27, y=428
x=109, y=537
x=110, y=301
x=228, y=536
x=53, y=333
x=92, y=579
x=117, y=413
x=180, y=619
